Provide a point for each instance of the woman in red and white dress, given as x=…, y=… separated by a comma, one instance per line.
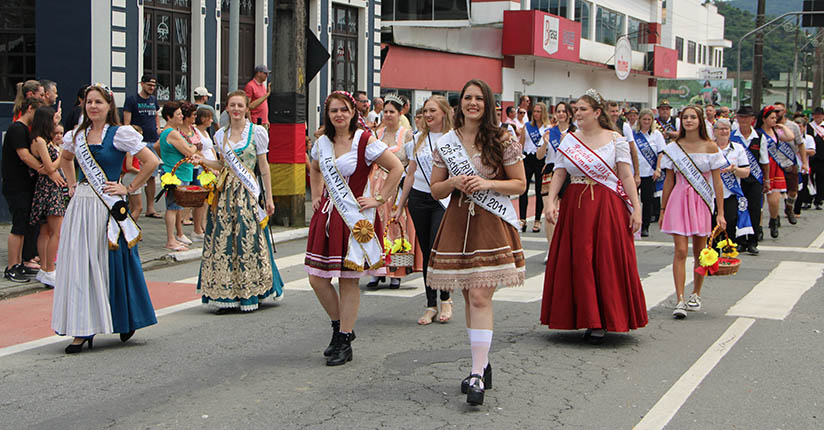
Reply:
x=350, y=154
x=592, y=277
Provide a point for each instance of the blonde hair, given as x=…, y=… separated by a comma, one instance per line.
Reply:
x=643, y=113
x=443, y=105
x=544, y=114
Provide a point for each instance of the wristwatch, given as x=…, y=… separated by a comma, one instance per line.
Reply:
x=379, y=198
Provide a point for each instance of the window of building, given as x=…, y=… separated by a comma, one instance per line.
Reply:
x=555, y=7
x=345, y=48
x=691, y=52
x=609, y=25
x=17, y=59
x=583, y=14
x=167, y=46
x=424, y=10
x=679, y=46
x=246, y=45
x=636, y=32
x=706, y=55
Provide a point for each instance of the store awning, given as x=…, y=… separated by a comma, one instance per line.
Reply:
x=423, y=69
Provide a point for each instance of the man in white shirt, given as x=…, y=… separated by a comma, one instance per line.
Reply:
x=374, y=115
x=709, y=119
x=758, y=181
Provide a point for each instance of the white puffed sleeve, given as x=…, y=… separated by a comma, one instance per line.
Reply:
x=261, y=137
x=718, y=161
x=127, y=139
x=622, y=154
x=374, y=151
x=666, y=162
x=68, y=141
x=409, y=147
x=315, y=151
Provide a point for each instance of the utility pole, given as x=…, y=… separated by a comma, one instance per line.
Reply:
x=234, y=42
x=287, y=113
x=791, y=99
x=817, y=62
x=758, y=59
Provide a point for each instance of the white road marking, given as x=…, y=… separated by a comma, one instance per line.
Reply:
x=776, y=295
x=14, y=349
x=668, y=405
x=658, y=286
x=818, y=242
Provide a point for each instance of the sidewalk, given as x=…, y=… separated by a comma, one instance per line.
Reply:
x=153, y=254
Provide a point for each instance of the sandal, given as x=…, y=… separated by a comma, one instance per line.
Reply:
x=177, y=248
x=536, y=227
x=446, y=313
x=428, y=315
x=154, y=215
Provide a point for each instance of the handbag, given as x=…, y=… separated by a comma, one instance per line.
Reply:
x=401, y=258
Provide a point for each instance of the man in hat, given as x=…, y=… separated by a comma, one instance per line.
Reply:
x=141, y=110
x=816, y=129
x=258, y=91
x=752, y=185
x=668, y=124
x=201, y=96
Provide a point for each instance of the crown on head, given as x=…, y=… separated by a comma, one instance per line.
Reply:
x=594, y=94
x=103, y=87
x=392, y=97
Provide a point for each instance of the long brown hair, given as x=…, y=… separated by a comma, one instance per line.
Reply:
x=603, y=118
x=112, y=118
x=544, y=119
x=702, y=129
x=491, y=139
x=443, y=105
x=570, y=118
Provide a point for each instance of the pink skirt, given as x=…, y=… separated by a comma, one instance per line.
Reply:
x=686, y=213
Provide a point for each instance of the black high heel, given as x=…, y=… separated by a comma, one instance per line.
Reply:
x=126, y=336
x=487, y=379
x=475, y=394
x=76, y=348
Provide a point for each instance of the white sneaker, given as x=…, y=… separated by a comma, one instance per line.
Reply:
x=680, y=311
x=197, y=237
x=39, y=276
x=694, y=303
x=184, y=240
x=47, y=278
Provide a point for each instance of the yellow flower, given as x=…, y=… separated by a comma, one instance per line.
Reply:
x=169, y=179
x=407, y=246
x=265, y=222
x=206, y=178
x=387, y=245
x=728, y=248
x=708, y=257
x=397, y=246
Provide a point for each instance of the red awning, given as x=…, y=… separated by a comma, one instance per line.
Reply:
x=422, y=69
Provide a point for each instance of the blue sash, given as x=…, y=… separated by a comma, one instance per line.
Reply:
x=534, y=134
x=744, y=225
x=645, y=149
x=781, y=152
x=755, y=167
x=555, y=137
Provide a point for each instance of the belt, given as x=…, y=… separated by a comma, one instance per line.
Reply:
x=589, y=184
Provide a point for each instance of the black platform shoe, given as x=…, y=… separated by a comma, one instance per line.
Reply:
x=774, y=227
x=76, y=348
x=342, y=352
x=126, y=336
x=475, y=393
x=487, y=379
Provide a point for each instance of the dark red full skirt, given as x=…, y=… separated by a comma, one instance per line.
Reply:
x=592, y=275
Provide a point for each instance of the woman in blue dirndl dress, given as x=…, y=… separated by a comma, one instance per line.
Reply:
x=100, y=286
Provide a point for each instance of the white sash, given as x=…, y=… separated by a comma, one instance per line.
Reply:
x=817, y=129
x=457, y=162
x=691, y=172
x=424, y=161
x=364, y=245
x=247, y=178
x=592, y=165
x=96, y=178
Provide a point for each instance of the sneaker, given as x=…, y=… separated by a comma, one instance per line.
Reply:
x=694, y=303
x=39, y=276
x=752, y=249
x=15, y=274
x=49, y=278
x=184, y=240
x=680, y=311
x=197, y=237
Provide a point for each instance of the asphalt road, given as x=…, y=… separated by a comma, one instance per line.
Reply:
x=752, y=358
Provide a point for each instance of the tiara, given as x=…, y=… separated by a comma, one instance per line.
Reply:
x=103, y=87
x=341, y=92
x=594, y=94
x=393, y=98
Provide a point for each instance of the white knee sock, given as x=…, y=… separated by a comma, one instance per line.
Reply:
x=480, y=341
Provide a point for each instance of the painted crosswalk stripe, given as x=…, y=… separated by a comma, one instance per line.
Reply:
x=818, y=242
x=658, y=286
x=668, y=405
x=776, y=295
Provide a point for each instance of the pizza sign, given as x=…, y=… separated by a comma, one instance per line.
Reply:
x=551, y=34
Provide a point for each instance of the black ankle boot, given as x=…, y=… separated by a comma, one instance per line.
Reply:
x=774, y=228
x=487, y=379
x=335, y=330
x=342, y=352
x=788, y=210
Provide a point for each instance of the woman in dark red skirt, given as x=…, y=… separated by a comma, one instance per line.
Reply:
x=341, y=161
x=592, y=276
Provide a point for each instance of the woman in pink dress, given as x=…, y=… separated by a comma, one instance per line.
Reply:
x=686, y=213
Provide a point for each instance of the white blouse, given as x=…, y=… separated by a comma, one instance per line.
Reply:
x=614, y=152
x=736, y=156
x=704, y=161
x=657, y=143
x=551, y=154
x=260, y=137
x=347, y=163
x=424, y=153
x=126, y=139
x=529, y=146
x=208, y=150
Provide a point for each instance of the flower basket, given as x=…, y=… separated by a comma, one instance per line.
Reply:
x=724, y=265
x=190, y=196
x=403, y=255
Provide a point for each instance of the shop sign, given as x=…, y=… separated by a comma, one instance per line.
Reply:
x=537, y=33
x=665, y=62
x=623, y=58
x=551, y=34
x=712, y=73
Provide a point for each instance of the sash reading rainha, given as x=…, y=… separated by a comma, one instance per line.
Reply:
x=691, y=173
x=247, y=178
x=589, y=162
